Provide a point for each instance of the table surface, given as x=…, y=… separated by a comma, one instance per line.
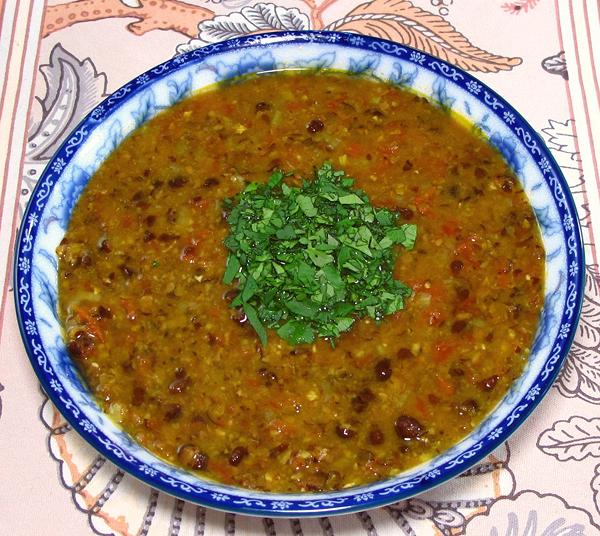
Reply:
x=60, y=58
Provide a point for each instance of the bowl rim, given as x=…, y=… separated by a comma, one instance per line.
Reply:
x=258, y=42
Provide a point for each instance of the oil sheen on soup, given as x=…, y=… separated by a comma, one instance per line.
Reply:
x=146, y=313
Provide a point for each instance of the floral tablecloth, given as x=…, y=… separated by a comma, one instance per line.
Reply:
x=60, y=58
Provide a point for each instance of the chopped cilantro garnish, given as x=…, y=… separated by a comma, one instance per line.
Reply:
x=310, y=260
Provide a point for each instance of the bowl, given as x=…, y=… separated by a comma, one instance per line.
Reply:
x=47, y=216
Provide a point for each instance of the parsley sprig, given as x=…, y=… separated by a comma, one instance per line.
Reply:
x=310, y=260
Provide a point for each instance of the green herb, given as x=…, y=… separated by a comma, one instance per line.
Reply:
x=310, y=260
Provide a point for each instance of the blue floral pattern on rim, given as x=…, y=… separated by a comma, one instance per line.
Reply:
x=104, y=128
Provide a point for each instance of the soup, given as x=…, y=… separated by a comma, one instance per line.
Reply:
x=149, y=322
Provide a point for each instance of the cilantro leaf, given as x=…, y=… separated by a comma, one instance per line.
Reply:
x=304, y=309
x=312, y=259
x=319, y=258
x=410, y=235
x=250, y=289
x=232, y=268
x=286, y=233
x=350, y=199
x=296, y=332
x=256, y=323
x=306, y=205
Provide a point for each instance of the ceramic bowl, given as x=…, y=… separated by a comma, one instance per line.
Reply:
x=47, y=216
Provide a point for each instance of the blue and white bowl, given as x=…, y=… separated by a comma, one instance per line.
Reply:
x=47, y=216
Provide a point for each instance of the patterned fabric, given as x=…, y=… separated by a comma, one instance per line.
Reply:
x=60, y=60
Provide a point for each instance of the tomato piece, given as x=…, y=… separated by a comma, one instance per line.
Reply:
x=295, y=105
x=423, y=201
x=222, y=469
x=127, y=221
x=434, y=317
x=422, y=407
x=442, y=351
x=468, y=248
x=444, y=386
x=450, y=228
x=354, y=149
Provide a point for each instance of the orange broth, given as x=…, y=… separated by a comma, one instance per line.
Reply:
x=147, y=321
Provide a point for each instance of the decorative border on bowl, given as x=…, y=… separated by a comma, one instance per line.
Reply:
x=353, y=499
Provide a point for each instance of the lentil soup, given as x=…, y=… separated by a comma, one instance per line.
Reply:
x=147, y=317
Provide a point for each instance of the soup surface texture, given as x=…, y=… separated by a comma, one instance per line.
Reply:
x=147, y=316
